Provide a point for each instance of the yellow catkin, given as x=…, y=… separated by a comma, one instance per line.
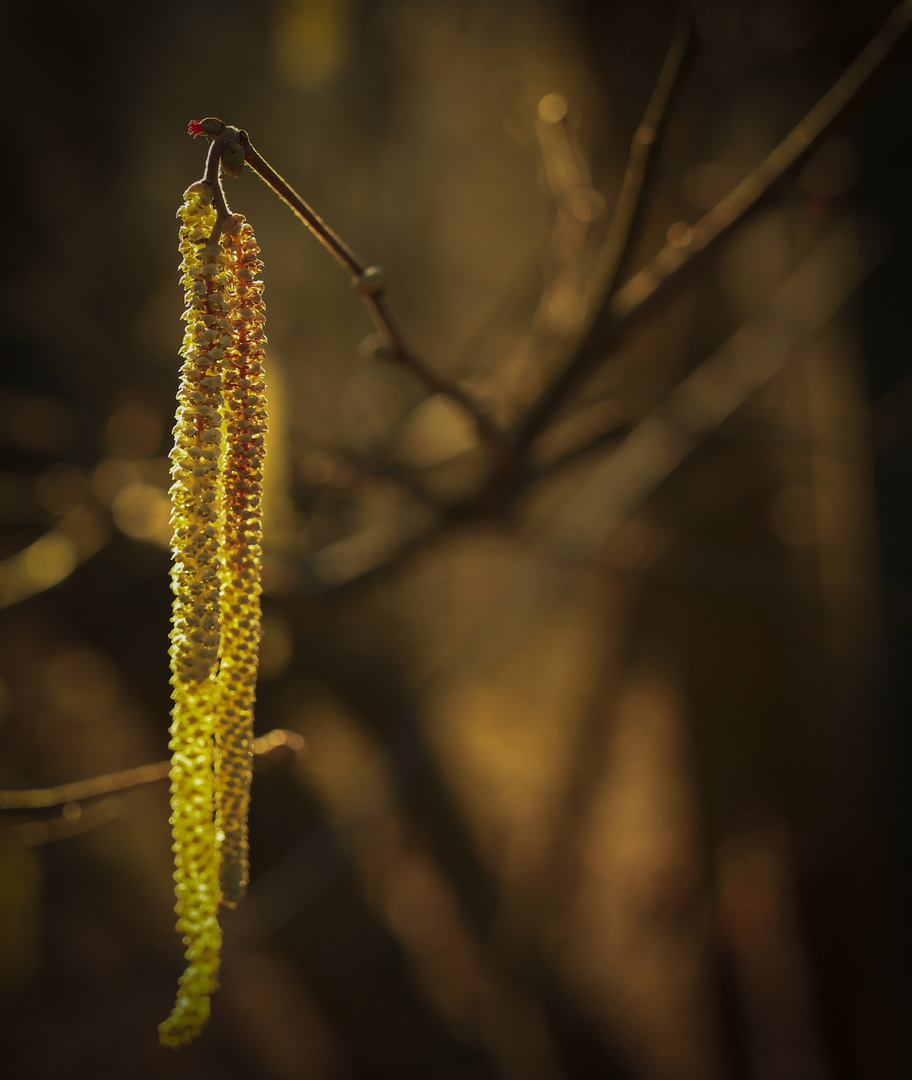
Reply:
x=217, y=474
x=197, y=494
x=245, y=406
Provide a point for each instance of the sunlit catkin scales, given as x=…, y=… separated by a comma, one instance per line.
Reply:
x=197, y=498
x=245, y=409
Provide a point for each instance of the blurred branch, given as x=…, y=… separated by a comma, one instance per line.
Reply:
x=376, y=472
x=74, y=820
x=625, y=226
x=370, y=283
x=42, y=798
x=609, y=437
x=67, y=794
x=580, y=526
x=52, y=557
x=802, y=306
x=613, y=315
x=567, y=172
x=662, y=439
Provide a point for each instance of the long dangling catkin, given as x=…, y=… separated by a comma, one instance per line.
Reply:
x=244, y=390
x=197, y=495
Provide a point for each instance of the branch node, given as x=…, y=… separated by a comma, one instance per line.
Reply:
x=372, y=282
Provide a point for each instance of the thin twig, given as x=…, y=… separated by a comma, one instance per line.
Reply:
x=74, y=820
x=624, y=227
x=339, y=250
x=213, y=176
x=464, y=514
x=610, y=437
x=377, y=473
x=614, y=315
x=807, y=300
x=654, y=447
x=580, y=527
x=127, y=779
x=54, y=556
x=369, y=282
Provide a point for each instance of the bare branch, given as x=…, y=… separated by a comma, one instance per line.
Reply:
x=609, y=437
x=615, y=314
x=126, y=780
x=612, y=316
x=74, y=820
x=579, y=528
x=649, y=452
x=802, y=306
x=339, y=250
x=624, y=230
x=52, y=557
x=213, y=176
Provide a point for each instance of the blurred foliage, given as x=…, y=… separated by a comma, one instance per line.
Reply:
x=573, y=802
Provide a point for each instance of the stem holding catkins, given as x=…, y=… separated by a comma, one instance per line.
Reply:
x=370, y=283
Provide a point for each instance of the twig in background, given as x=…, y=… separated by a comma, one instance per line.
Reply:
x=54, y=556
x=616, y=314
x=624, y=227
x=668, y=270
x=662, y=439
x=580, y=527
x=802, y=306
x=567, y=172
x=74, y=819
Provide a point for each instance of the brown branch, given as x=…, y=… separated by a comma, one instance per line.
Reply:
x=339, y=250
x=52, y=557
x=624, y=229
x=368, y=471
x=610, y=437
x=74, y=820
x=126, y=780
x=213, y=175
x=625, y=225
x=760, y=348
x=369, y=282
x=579, y=529
x=612, y=316
x=650, y=451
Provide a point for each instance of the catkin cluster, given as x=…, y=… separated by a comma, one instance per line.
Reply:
x=216, y=469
